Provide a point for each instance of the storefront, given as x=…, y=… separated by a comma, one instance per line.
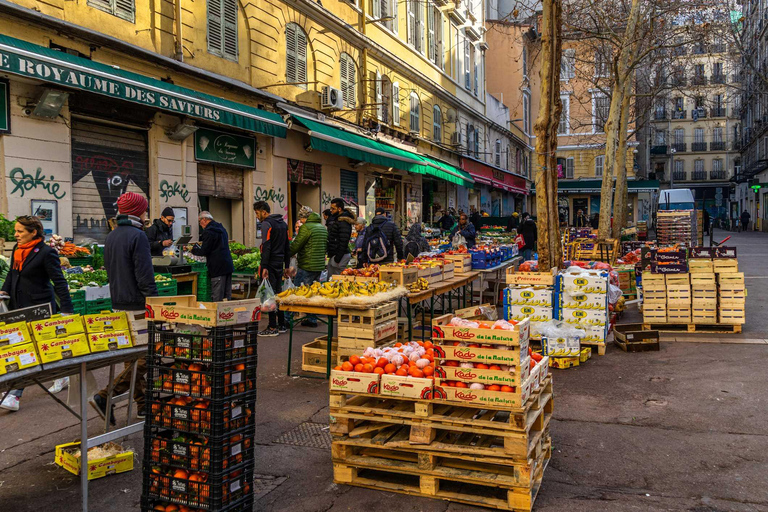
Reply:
x=499, y=192
x=584, y=195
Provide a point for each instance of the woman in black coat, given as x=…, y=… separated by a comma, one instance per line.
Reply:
x=35, y=278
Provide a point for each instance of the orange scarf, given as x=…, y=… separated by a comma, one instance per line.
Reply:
x=21, y=253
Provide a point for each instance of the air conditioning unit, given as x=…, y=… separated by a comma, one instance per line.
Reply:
x=331, y=99
x=456, y=138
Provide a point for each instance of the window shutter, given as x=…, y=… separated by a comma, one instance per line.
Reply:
x=384, y=8
x=344, y=78
x=477, y=143
x=431, y=33
x=214, y=27
x=467, y=83
x=411, y=22
x=379, y=98
x=419, y=26
x=125, y=9
x=290, y=53
x=569, y=168
x=396, y=103
x=230, y=28
x=377, y=9
x=301, y=57
x=394, y=25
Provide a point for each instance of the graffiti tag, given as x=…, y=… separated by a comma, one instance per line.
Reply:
x=262, y=194
x=326, y=199
x=24, y=182
x=168, y=190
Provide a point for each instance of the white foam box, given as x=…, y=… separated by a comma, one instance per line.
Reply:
x=586, y=301
x=560, y=347
x=528, y=296
x=534, y=313
x=589, y=281
x=595, y=334
x=585, y=316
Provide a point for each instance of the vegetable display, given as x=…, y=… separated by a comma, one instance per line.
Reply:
x=88, y=277
x=248, y=261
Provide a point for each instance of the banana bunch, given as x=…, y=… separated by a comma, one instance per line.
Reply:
x=418, y=285
x=338, y=289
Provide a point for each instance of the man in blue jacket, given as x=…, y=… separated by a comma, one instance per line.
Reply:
x=215, y=247
x=466, y=229
x=275, y=258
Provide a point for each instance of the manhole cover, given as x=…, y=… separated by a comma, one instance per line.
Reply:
x=313, y=435
x=264, y=484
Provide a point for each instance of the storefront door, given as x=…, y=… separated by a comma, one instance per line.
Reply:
x=220, y=191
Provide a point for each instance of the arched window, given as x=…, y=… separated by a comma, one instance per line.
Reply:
x=415, y=113
x=295, y=55
x=348, y=74
x=437, y=124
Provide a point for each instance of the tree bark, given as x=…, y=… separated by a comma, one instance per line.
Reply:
x=550, y=107
x=620, y=194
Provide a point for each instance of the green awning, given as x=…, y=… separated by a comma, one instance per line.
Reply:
x=595, y=186
x=324, y=137
x=41, y=63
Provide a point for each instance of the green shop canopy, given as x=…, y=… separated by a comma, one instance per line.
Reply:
x=595, y=186
x=337, y=141
x=41, y=63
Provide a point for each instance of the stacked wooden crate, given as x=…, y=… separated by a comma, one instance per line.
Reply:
x=732, y=297
x=362, y=328
x=654, y=298
x=678, y=298
x=703, y=296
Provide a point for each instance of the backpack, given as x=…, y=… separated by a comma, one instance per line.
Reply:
x=376, y=245
x=411, y=248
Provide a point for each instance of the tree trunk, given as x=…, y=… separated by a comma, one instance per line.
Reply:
x=545, y=129
x=620, y=195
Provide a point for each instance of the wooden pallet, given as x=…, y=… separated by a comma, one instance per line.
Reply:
x=599, y=346
x=700, y=328
x=516, y=431
x=476, y=488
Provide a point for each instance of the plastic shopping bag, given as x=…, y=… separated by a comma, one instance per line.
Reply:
x=267, y=296
x=458, y=240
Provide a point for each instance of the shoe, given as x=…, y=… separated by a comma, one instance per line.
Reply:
x=308, y=323
x=141, y=411
x=9, y=402
x=100, y=405
x=269, y=331
x=282, y=329
x=59, y=385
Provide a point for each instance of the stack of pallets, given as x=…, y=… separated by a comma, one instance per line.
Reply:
x=362, y=328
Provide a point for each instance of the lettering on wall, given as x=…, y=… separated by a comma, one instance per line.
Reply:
x=24, y=182
x=169, y=190
x=326, y=199
x=270, y=195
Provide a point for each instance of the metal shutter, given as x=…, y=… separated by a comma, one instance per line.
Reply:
x=348, y=186
x=217, y=181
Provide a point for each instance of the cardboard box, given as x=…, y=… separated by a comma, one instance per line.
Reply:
x=528, y=296
x=514, y=400
x=532, y=313
x=560, y=347
x=535, y=278
x=442, y=330
x=185, y=309
x=595, y=334
x=564, y=362
x=513, y=377
x=669, y=256
x=669, y=268
x=102, y=322
x=18, y=357
x=63, y=348
x=481, y=355
x=115, y=340
x=598, y=301
x=354, y=382
x=589, y=281
x=544, y=369
x=406, y=387
x=56, y=327
x=585, y=354
x=585, y=317
x=14, y=334
x=475, y=312
x=97, y=468
x=713, y=252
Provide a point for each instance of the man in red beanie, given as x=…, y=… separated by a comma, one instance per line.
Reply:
x=131, y=277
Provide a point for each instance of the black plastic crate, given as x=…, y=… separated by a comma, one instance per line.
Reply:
x=201, y=416
x=244, y=504
x=202, y=380
x=215, y=345
x=197, y=452
x=197, y=490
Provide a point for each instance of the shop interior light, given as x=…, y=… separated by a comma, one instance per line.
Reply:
x=182, y=131
x=50, y=103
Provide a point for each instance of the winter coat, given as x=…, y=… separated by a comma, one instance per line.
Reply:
x=445, y=222
x=474, y=218
x=157, y=233
x=215, y=248
x=40, y=281
x=275, y=245
x=394, y=238
x=512, y=223
x=529, y=232
x=310, y=244
x=339, y=234
x=468, y=233
x=128, y=262
x=745, y=216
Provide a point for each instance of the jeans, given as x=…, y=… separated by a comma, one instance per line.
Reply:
x=123, y=381
x=276, y=282
x=336, y=268
x=221, y=288
x=527, y=254
x=307, y=277
x=16, y=392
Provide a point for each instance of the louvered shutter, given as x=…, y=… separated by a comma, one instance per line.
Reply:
x=351, y=83
x=230, y=29
x=419, y=12
x=431, y=33
x=396, y=103
x=343, y=78
x=395, y=23
x=383, y=8
x=411, y=22
x=379, y=98
x=301, y=57
x=467, y=83
x=214, y=27
x=125, y=9
x=290, y=53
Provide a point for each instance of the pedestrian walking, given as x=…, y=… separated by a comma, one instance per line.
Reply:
x=414, y=242
x=159, y=233
x=339, y=233
x=309, y=246
x=360, y=228
x=529, y=231
x=581, y=220
x=745, y=216
x=514, y=221
x=383, y=239
x=35, y=278
x=275, y=258
x=128, y=261
x=214, y=245
x=466, y=229
x=475, y=217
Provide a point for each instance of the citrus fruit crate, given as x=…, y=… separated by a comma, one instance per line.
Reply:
x=244, y=504
x=197, y=489
x=198, y=453
x=197, y=380
x=97, y=306
x=201, y=416
x=213, y=345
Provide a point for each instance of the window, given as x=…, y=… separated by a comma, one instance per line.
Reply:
x=396, y=103
x=660, y=138
x=527, y=113
x=475, y=67
x=519, y=161
x=698, y=70
x=599, y=161
x=222, y=28
x=679, y=136
x=348, y=74
x=295, y=56
x=121, y=8
x=698, y=135
x=569, y=162
x=415, y=113
x=601, y=108
x=470, y=139
x=717, y=69
x=386, y=99
x=477, y=142
x=679, y=166
x=679, y=104
x=717, y=134
x=379, y=97
x=698, y=166
x=507, y=156
x=525, y=62
x=467, y=65
x=435, y=36
x=717, y=166
x=568, y=64
x=565, y=116
x=415, y=24
x=497, y=153
x=602, y=63
x=437, y=124
x=383, y=9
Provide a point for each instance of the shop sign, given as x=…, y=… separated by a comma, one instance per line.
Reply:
x=5, y=107
x=224, y=148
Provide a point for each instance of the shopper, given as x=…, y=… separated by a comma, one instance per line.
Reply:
x=383, y=236
x=159, y=233
x=514, y=221
x=466, y=229
x=474, y=217
x=35, y=278
x=745, y=216
x=360, y=229
x=414, y=242
x=595, y=222
x=309, y=246
x=131, y=278
x=214, y=245
x=446, y=221
x=339, y=233
x=581, y=220
x=528, y=230
x=275, y=259
x=326, y=216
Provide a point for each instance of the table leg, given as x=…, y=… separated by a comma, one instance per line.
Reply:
x=471, y=292
x=84, y=438
x=290, y=342
x=110, y=388
x=194, y=285
x=409, y=313
x=329, y=347
x=422, y=322
x=131, y=390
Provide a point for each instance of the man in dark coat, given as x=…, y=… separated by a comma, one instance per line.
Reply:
x=745, y=216
x=214, y=245
x=390, y=230
x=466, y=229
x=445, y=222
x=339, y=233
x=514, y=221
x=529, y=233
x=275, y=259
x=474, y=217
x=159, y=233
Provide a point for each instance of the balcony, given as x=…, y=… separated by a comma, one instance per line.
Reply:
x=679, y=175
x=699, y=80
x=717, y=146
x=698, y=113
x=717, y=79
x=699, y=175
x=717, y=175
x=699, y=146
x=717, y=112
x=660, y=114
x=680, y=147
x=678, y=81
x=658, y=150
x=679, y=114
x=717, y=48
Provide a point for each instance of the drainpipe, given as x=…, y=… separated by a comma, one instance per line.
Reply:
x=179, y=38
x=363, y=78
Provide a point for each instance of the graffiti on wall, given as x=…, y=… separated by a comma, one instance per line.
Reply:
x=25, y=182
x=270, y=196
x=169, y=190
x=326, y=199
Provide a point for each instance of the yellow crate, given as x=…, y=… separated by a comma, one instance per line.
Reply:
x=677, y=315
x=18, y=357
x=63, y=348
x=703, y=279
x=402, y=276
x=56, y=327
x=102, y=322
x=700, y=265
x=678, y=279
x=114, y=340
x=97, y=468
x=14, y=334
x=732, y=315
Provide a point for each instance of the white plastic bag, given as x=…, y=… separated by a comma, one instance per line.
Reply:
x=267, y=296
x=614, y=293
x=458, y=240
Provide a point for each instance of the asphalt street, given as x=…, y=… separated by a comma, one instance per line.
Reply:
x=679, y=429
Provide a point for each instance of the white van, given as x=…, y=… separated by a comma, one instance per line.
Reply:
x=676, y=199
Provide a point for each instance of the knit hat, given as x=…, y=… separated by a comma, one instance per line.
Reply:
x=132, y=203
x=304, y=212
x=515, y=214
x=168, y=212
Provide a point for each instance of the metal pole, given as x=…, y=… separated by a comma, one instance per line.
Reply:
x=330, y=343
x=83, y=439
x=132, y=390
x=290, y=342
x=110, y=389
